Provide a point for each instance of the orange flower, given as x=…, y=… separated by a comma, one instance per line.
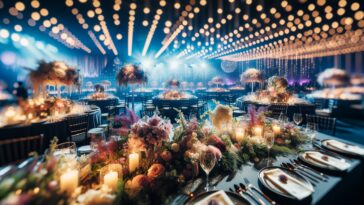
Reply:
x=155, y=171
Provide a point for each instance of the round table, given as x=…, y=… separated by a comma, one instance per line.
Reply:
x=339, y=107
x=217, y=95
x=166, y=106
x=161, y=102
x=103, y=104
x=303, y=108
x=49, y=129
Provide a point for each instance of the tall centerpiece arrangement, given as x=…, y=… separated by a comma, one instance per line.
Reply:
x=131, y=74
x=218, y=81
x=277, y=88
x=54, y=73
x=251, y=75
x=333, y=77
x=173, y=84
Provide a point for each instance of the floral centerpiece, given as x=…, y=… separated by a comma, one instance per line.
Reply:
x=153, y=161
x=122, y=123
x=173, y=83
x=217, y=80
x=333, y=77
x=54, y=73
x=357, y=80
x=218, y=89
x=131, y=74
x=200, y=86
x=249, y=135
x=277, y=84
x=275, y=93
x=99, y=93
x=337, y=93
x=39, y=109
x=174, y=95
x=251, y=75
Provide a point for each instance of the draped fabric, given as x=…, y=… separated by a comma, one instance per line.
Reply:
x=90, y=65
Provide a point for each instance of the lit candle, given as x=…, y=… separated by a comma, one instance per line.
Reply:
x=257, y=131
x=276, y=129
x=133, y=162
x=239, y=134
x=69, y=181
x=111, y=180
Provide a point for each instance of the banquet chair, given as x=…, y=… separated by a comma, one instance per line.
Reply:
x=276, y=109
x=77, y=129
x=18, y=149
x=324, y=124
x=230, y=100
x=321, y=108
x=148, y=107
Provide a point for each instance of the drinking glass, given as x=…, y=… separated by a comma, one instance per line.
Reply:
x=96, y=137
x=311, y=131
x=207, y=163
x=269, y=139
x=283, y=118
x=66, y=149
x=297, y=118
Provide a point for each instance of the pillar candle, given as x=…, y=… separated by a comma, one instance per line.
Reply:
x=276, y=129
x=257, y=131
x=69, y=181
x=239, y=134
x=111, y=180
x=133, y=162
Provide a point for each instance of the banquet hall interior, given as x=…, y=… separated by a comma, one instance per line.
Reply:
x=206, y=102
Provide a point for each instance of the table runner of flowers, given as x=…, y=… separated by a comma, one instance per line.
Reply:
x=167, y=159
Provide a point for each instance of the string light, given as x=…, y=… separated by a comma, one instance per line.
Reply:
x=133, y=6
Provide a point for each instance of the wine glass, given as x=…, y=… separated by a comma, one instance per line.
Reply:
x=66, y=149
x=297, y=118
x=207, y=163
x=269, y=139
x=311, y=130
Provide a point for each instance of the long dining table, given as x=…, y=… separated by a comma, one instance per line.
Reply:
x=340, y=188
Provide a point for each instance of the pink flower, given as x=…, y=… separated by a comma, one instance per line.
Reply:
x=112, y=145
x=166, y=156
x=215, y=151
x=217, y=142
x=155, y=171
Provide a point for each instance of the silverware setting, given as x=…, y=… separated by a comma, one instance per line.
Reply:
x=326, y=151
x=311, y=179
x=251, y=186
x=314, y=175
x=297, y=163
x=243, y=193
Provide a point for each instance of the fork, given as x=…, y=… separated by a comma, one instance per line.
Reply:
x=298, y=163
x=248, y=190
x=313, y=181
x=251, y=186
x=313, y=175
x=241, y=192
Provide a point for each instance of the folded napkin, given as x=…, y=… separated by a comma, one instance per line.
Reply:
x=327, y=160
x=220, y=197
x=345, y=147
x=292, y=186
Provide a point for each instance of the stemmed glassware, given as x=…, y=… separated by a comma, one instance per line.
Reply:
x=297, y=118
x=269, y=139
x=283, y=118
x=207, y=163
x=66, y=149
x=311, y=131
